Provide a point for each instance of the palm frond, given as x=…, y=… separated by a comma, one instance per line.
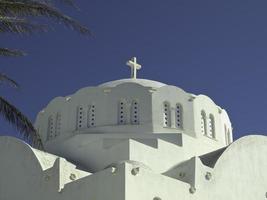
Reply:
x=67, y=2
x=25, y=8
x=22, y=26
x=11, y=52
x=5, y=78
x=21, y=122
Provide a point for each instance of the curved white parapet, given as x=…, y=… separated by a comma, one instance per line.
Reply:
x=28, y=172
x=237, y=172
x=241, y=170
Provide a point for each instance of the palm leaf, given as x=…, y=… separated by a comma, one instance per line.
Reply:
x=67, y=2
x=5, y=78
x=24, y=125
x=11, y=52
x=24, y=8
x=16, y=25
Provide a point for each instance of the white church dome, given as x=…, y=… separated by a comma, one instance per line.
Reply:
x=143, y=82
x=132, y=108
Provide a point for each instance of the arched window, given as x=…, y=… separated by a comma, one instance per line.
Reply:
x=211, y=126
x=166, y=114
x=122, y=114
x=227, y=135
x=179, y=116
x=203, y=123
x=80, y=117
x=91, y=118
x=50, y=128
x=135, y=112
x=58, y=124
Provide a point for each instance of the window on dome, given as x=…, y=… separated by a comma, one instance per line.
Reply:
x=179, y=116
x=203, y=123
x=51, y=127
x=58, y=124
x=91, y=116
x=166, y=114
x=211, y=126
x=227, y=135
x=135, y=112
x=80, y=117
x=122, y=112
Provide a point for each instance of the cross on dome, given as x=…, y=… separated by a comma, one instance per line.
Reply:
x=134, y=67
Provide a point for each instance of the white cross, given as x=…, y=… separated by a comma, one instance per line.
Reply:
x=134, y=67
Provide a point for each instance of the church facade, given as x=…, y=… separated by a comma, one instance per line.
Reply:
x=134, y=139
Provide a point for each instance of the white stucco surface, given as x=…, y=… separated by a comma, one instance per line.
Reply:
x=134, y=139
x=238, y=173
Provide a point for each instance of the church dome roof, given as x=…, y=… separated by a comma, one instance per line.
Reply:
x=143, y=82
x=87, y=125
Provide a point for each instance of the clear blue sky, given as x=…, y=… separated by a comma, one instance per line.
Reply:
x=211, y=47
